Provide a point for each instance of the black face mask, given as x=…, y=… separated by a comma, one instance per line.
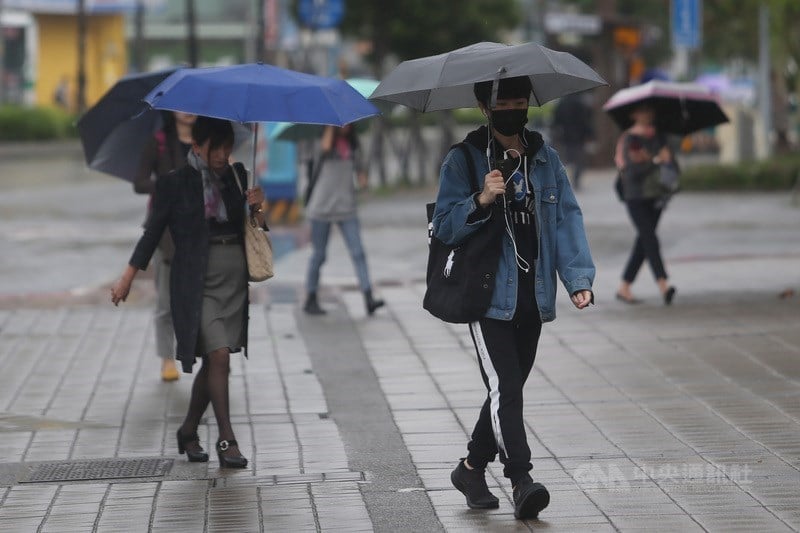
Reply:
x=509, y=122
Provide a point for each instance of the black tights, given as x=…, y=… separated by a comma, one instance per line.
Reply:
x=211, y=386
x=645, y=215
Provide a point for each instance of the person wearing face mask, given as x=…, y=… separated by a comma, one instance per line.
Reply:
x=544, y=237
x=204, y=209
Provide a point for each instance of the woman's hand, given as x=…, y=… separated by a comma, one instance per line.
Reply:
x=663, y=156
x=581, y=298
x=255, y=199
x=120, y=290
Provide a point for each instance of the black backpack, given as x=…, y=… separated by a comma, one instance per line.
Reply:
x=461, y=278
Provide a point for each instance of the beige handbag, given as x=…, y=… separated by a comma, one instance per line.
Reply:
x=257, y=244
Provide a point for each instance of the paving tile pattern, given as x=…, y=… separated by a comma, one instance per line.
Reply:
x=682, y=418
x=632, y=426
x=85, y=386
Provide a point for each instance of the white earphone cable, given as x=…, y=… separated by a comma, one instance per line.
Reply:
x=522, y=264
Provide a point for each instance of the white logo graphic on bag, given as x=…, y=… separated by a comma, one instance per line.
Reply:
x=449, y=265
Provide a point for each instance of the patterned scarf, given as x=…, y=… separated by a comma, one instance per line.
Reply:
x=214, y=206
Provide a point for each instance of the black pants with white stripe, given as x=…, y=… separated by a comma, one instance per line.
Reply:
x=506, y=351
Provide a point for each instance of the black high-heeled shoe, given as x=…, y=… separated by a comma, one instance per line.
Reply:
x=229, y=462
x=196, y=456
x=669, y=295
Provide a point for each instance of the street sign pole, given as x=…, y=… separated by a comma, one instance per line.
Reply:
x=765, y=89
x=686, y=23
x=81, y=93
x=319, y=15
x=2, y=57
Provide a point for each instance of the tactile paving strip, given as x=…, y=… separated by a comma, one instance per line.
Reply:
x=97, y=469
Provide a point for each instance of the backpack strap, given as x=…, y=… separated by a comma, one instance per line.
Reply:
x=473, y=178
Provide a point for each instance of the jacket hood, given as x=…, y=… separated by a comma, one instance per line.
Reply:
x=478, y=139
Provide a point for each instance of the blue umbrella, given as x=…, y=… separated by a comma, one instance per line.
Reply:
x=257, y=92
x=261, y=93
x=286, y=131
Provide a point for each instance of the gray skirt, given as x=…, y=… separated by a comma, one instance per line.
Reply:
x=224, y=298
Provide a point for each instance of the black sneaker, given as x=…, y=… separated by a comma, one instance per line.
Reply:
x=472, y=484
x=529, y=499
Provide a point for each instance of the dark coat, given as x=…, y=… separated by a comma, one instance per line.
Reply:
x=178, y=205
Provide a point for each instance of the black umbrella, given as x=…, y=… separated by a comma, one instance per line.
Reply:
x=680, y=108
x=115, y=130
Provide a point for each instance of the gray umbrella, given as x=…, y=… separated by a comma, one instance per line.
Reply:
x=445, y=81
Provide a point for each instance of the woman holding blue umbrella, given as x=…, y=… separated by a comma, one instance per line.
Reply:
x=203, y=205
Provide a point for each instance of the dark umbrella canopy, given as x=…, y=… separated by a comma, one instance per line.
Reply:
x=445, y=81
x=115, y=130
x=680, y=108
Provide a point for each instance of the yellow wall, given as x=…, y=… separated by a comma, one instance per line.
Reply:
x=106, y=56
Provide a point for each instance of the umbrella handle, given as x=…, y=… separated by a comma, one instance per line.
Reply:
x=684, y=110
x=251, y=174
x=495, y=86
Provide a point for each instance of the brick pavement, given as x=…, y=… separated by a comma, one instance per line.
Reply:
x=684, y=418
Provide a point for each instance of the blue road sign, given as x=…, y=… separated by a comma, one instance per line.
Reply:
x=320, y=14
x=686, y=20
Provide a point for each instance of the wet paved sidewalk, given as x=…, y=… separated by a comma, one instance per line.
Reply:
x=682, y=418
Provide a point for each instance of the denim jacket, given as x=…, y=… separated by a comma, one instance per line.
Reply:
x=563, y=247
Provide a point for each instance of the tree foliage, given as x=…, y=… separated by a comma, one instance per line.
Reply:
x=730, y=27
x=417, y=28
x=730, y=30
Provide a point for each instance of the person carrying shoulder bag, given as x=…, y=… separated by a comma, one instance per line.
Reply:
x=641, y=151
x=332, y=199
x=542, y=237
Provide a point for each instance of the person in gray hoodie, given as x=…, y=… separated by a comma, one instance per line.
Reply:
x=332, y=200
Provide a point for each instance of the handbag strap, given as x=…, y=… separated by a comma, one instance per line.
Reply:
x=316, y=167
x=238, y=179
x=239, y=184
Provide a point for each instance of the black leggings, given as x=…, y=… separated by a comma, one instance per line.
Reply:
x=645, y=215
x=506, y=351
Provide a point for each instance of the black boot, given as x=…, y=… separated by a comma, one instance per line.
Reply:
x=312, y=306
x=472, y=484
x=371, y=303
x=529, y=498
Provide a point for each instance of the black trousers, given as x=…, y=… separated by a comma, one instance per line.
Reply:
x=645, y=215
x=506, y=351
